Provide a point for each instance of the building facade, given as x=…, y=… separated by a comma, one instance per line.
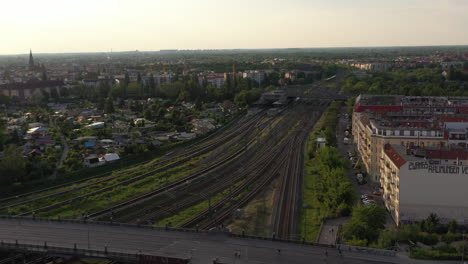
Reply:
x=408, y=122
x=417, y=182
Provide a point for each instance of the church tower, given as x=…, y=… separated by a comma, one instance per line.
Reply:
x=31, y=61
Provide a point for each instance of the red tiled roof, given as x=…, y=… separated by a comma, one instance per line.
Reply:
x=449, y=154
x=394, y=156
x=453, y=119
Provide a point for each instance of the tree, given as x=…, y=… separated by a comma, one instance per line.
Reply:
x=12, y=165
x=366, y=223
x=431, y=223
x=54, y=94
x=152, y=85
x=171, y=90
x=64, y=92
x=109, y=106
x=453, y=227
x=138, y=78
x=247, y=97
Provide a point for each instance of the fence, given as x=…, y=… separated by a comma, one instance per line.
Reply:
x=342, y=247
x=370, y=251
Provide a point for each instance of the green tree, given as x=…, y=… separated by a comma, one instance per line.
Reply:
x=54, y=94
x=138, y=77
x=431, y=223
x=152, y=85
x=12, y=165
x=366, y=223
x=453, y=226
x=109, y=106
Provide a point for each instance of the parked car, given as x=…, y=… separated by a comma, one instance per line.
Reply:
x=369, y=202
x=377, y=192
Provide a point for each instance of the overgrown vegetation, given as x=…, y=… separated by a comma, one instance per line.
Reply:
x=365, y=225
x=328, y=192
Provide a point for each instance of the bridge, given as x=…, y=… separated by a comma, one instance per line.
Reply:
x=316, y=92
x=167, y=245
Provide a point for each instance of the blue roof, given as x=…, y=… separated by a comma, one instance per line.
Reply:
x=90, y=144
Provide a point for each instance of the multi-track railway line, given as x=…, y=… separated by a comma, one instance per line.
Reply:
x=243, y=161
x=153, y=207
x=236, y=133
x=287, y=200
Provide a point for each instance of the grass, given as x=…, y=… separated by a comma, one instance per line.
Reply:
x=256, y=218
x=186, y=214
x=315, y=212
x=142, y=185
x=122, y=164
x=121, y=193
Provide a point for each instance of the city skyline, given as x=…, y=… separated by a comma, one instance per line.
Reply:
x=56, y=27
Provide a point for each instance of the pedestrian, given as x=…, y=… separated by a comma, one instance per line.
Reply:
x=326, y=253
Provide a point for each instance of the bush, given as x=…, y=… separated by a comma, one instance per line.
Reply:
x=449, y=238
x=367, y=222
x=436, y=254
x=429, y=239
x=343, y=209
x=357, y=242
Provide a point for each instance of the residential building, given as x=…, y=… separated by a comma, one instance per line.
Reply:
x=257, y=76
x=406, y=121
x=420, y=181
x=28, y=89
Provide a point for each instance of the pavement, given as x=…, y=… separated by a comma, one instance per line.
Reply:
x=201, y=247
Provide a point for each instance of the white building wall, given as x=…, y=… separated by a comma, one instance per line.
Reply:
x=423, y=191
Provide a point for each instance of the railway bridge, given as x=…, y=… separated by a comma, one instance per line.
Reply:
x=150, y=244
x=316, y=92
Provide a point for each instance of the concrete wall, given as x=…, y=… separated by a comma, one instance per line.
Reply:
x=423, y=191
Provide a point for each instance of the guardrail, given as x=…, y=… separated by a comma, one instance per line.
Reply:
x=370, y=251
x=82, y=252
x=342, y=247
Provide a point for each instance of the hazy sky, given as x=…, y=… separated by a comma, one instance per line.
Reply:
x=102, y=25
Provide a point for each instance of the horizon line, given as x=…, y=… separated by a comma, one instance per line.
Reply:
x=235, y=49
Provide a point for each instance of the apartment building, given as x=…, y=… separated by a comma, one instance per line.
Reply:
x=419, y=181
x=408, y=122
x=257, y=76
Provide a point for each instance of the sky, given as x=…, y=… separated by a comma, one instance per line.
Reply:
x=57, y=26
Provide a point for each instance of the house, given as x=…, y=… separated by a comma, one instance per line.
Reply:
x=109, y=157
x=202, y=126
x=92, y=161
x=37, y=130
x=186, y=136
x=96, y=125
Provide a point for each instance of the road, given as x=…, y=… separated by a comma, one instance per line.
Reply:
x=202, y=246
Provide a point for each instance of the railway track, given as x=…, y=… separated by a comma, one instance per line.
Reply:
x=155, y=210
x=287, y=200
x=180, y=159
x=268, y=164
x=139, y=214
x=164, y=159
